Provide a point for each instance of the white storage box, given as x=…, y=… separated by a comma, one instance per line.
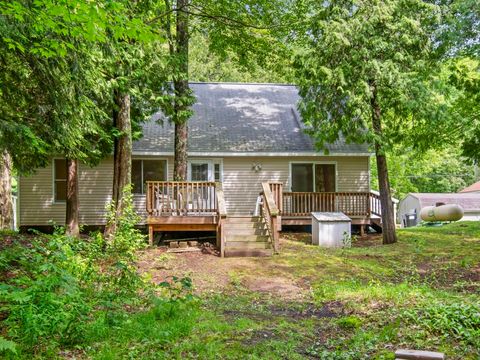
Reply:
x=331, y=229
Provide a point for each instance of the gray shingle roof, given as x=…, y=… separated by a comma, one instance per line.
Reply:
x=232, y=118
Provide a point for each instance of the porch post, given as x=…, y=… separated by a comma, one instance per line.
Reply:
x=150, y=235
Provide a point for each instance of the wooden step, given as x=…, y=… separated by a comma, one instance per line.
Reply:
x=244, y=231
x=242, y=219
x=233, y=252
x=246, y=238
x=247, y=245
x=237, y=225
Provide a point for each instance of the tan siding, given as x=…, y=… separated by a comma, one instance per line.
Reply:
x=36, y=199
x=95, y=186
x=95, y=192
x=36, y=196
x=241, y=186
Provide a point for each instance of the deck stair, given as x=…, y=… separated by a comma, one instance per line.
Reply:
x=246, y=236
x=376, y=224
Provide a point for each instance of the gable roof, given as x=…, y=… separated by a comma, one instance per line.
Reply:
x=468, y=201
x=233, y=118
x=475, y=187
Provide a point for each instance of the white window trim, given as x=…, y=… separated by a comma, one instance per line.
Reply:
x=19, y=186
x=313, y=163
x=54, y=198
x=211, y=168
x=369, y=174
x=141, y=170
x=220, y=163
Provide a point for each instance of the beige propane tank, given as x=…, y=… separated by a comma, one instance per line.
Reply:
x=448, y=212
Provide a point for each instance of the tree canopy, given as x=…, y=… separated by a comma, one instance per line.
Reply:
x=56, y=75
x=366, y=73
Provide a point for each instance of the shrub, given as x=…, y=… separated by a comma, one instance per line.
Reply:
x=45, y=298
x=457, y=320
x=349, y=322
x=120, y=274
x=127, y=238
x=58, y=284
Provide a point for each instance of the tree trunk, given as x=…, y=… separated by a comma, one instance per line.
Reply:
x=181, y=156
x=6, y=205
x=388, y=217
x=182, y=92
x=122, y=158
x=71, y=221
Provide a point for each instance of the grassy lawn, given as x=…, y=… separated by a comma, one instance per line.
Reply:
x=307, y=302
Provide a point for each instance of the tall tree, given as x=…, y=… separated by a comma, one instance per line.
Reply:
x=57, y=61
x=50, y=98
x=435, y=170
x=207, y=65
x=465, y=77
x=229, y=27
x=177, y=106
x=459, y=33
x=365, y=76
x=122, y=162
x=71, y=216
x=6, y=207
x=180, y=84
x=137, y=68
x=458, y=40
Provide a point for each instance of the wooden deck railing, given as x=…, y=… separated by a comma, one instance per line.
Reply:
x=359, y=204
x=183, y=198
x=270, y=213
x=222, y=215
x=277, y=192
x=375, y=205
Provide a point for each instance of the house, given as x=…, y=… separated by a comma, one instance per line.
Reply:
x=414, y=202
x=241, y=137
x=474, y=188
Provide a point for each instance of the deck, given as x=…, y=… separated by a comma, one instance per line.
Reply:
x=295, y=207
x=184, y=206
x=200, y=206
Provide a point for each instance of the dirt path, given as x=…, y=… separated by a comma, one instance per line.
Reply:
x=211, y=273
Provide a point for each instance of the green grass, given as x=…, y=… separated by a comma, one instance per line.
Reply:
x=422, y=292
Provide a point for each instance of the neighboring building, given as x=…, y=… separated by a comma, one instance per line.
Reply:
x=414, y=202
x=474, y=188
x=241, y=135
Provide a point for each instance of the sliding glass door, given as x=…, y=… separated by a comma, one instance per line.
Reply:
x=313, y=177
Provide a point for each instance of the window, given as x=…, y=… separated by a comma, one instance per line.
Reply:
x=302, y=177
x=147, y=170
x=218, y=177
x=311, y=177
x=205, y=170
x=60, y=180
x=199, y=172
